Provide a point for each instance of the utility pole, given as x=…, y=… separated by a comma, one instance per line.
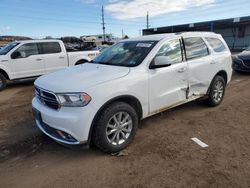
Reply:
x=147, y=21
x=103, y=25
x=122, y=34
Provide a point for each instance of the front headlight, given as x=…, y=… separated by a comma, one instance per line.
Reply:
x=74, y=99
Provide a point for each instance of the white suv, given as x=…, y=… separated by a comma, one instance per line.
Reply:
x=104, y=100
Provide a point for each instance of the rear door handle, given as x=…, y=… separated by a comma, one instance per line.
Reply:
x=182, y=69
x=39, y=59
x=61, y=57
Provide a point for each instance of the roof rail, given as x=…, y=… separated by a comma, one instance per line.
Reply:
x=201, y=32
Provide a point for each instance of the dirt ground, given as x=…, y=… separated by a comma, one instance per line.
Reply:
x=161, y=155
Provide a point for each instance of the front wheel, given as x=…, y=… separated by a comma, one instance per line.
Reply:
x=216, y=92
x=2, y=82
x=115, y=127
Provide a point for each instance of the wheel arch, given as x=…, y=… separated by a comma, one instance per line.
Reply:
x=221, y=73
x=129, y=99
x=81, y=61
x=4, y=73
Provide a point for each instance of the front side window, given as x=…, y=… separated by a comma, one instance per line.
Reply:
x=127, y=53
x=216, y=44
x=8, y=48
x=26, y=50
x=195, y=47
x=50, y=47
x=172, y=51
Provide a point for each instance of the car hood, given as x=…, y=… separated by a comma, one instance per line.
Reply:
x=81, y=77
x=244, y=55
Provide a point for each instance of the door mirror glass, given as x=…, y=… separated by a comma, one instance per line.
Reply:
x=16, y=55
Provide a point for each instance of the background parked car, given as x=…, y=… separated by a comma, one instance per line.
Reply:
x=241, y=62
x=89, y=38
x=32, y=58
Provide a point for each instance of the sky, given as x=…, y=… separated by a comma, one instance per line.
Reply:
x=57, y=18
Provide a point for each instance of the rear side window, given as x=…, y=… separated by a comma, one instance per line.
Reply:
x=50, y=47
x=195, y=47
x=216, y=44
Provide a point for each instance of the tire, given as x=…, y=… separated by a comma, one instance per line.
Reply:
x=216, y=92
x=108, y=135
x=2, y=82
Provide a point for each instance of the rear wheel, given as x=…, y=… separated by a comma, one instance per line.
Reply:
x=216, y=92
x=2, y=82
x=115, y=127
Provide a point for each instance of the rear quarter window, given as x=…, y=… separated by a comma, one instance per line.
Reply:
x=195, y=48
x=216, y=44
x=50, y=47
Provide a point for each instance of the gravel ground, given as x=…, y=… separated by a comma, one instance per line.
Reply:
x=161, y=155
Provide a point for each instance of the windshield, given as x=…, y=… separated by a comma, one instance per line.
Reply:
x=8, y=47
x=127, y=53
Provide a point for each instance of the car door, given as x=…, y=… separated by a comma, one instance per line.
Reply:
x=201, y=66
x=26, y=61
x=53, y=55
x=167, y=85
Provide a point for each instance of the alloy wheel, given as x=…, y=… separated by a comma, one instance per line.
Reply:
x=119, y=128
x=218, y=91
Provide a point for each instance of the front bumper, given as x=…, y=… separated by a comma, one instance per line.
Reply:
x=66, y=125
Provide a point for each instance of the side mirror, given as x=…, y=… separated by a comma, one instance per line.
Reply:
x=160, y=61
x=16, y=55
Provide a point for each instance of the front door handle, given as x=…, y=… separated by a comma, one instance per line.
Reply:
x=182, y=69
x=39, y=59
x=212, y=62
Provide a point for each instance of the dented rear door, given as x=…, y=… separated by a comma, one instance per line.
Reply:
x=201, y=66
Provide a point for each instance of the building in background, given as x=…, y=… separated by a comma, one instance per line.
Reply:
x=235, y=31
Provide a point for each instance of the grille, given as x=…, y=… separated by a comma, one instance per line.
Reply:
x=47, y=98
x=247, y=62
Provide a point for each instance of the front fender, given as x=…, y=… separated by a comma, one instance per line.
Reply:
x=6, y=70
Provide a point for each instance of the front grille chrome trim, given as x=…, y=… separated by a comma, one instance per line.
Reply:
x=43, y=97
